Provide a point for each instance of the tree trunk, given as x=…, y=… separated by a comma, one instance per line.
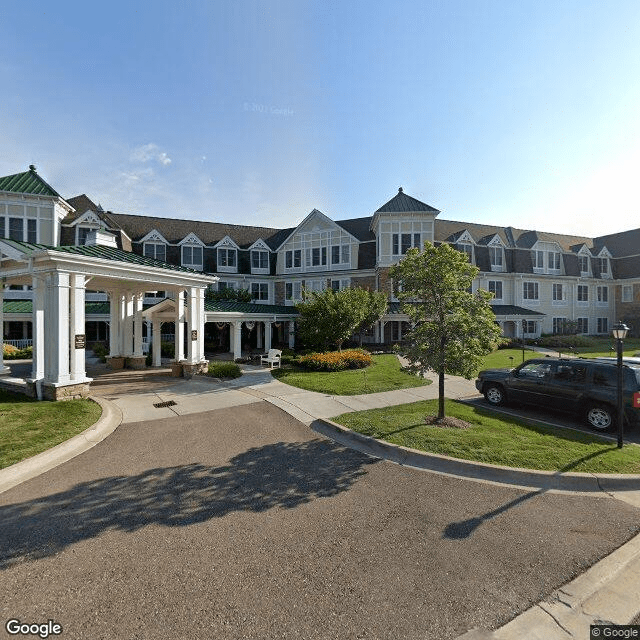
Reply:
x=443, y=343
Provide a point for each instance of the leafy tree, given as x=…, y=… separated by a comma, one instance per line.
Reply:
x=452, y=328
x=330, y=317
x=375, y=307
x=228, y=294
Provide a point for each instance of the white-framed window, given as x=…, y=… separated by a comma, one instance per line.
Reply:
x=293, y=291
x=342, y=283
x=467, y=247
x=538, y=260
x=583, y=325
x=155, y=250
x=583, y=264
x=315, y=285
x=603, y=265
x=223, y=285
x=627, y=293
x=603, y=325
x=293, y=259
x=559, y=325
x=402, y=242
x=530, y=327
x=583, y=293
x=316, y=257
x=340, y=254
x=495, y=287
x=227, y=259
x=192, y=256
x=558, y=292
x=496, y=257
x=530, y=291
x=553, y=258
x=22, y=232
x=260, y=291
x=603, y=294
x=259, y=261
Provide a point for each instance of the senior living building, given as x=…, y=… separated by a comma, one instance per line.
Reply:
x=74, y=272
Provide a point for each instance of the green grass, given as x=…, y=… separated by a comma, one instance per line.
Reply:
x=28, y=427
x=606, y=347
x=502, y=441
x=384, y=374
x=506, y=358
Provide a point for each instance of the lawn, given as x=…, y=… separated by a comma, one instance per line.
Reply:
x=502, y=441
x=385, y=374
x=28, y=427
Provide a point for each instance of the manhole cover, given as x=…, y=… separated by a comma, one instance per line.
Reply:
x=168, y=403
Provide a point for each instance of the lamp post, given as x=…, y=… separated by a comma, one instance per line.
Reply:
x=620, y=333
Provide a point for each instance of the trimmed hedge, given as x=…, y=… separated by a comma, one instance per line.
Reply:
x=224, y=370
x=336, y=360
x=13, y=353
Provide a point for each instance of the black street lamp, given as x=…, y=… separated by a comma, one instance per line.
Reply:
x=620, y=333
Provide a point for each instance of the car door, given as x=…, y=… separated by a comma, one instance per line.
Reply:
x=566, y=386
x=529, y=382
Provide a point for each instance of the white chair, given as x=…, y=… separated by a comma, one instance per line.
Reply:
x=272, y=358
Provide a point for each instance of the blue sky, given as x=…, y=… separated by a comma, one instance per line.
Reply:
x=255, y=112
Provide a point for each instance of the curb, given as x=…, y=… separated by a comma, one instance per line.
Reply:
x=35, y=465
x=590, y=483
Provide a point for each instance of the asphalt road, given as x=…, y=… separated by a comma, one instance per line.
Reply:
x=243, y=523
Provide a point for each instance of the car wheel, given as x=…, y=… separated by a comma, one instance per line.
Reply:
x=600, y=417
x=494, y=394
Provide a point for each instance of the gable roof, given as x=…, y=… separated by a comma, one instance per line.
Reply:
x=27, y=182
x=402, y=203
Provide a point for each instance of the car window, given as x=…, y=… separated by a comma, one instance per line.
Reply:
x=571, y=373
x=605, y=376
x=534, y=370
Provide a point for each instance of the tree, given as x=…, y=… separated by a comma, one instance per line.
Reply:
x=452, y=328
x=375, y=307
x=228, y=294
x=330, y=317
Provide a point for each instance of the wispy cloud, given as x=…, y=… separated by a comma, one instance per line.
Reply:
x=150, y=153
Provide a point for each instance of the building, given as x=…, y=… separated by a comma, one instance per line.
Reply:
x=540, y=281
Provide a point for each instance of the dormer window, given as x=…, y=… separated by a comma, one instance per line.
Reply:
x=554, y=260
x=583, y=263
x=259, y=260
x=496, y=257
x=603, y=264
x=192, y=256
x=227, y=258
x=467, y=248
x=538, y=260
x=155, y=250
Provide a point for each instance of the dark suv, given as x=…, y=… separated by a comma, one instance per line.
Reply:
x=583, y=387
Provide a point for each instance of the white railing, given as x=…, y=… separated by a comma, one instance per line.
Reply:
x=20, y=344
x=164, y=337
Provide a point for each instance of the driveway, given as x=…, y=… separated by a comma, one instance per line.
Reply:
x=243, y=523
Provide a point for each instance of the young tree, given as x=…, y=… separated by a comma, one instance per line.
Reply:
x=452, y=327
x=375, y=307
x=330, y=317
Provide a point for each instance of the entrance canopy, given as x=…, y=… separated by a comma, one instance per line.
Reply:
x=59, y=278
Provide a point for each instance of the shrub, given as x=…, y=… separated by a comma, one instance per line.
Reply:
x=224, y=370
x=13, y=353
x=336, y=360
x=565, y=341
x=167, y=349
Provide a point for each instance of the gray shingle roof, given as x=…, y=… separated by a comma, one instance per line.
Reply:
x=512, y=310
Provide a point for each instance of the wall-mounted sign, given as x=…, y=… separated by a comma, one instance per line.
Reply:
x=81, y=341
x=194, y=334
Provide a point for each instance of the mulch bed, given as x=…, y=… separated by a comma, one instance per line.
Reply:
x=448, y=422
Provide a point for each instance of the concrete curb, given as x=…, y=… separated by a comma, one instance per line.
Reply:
x=31, y=467
x=589, y=483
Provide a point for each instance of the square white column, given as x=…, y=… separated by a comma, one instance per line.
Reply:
x=114, y=323
x=156, y=343
x=56, y=317
x=77, y=328
x=122, y=323
x=292, y=334
x=37, y=319
x=128, y=324
x=267, y=336
x=3, y=368
x=137, y=323
x=193, y=325
x=179, y=323
x=201, y=320
x=237, y=339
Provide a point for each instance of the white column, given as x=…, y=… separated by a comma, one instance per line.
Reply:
x=37, y=319
x=237, y=339
x=179, y=322
x=137, y=323
x=259, y=334
x=57, y=322
x=128, y=326
x=200, y=324
x=292, y=334
x=193, y=324
x=382, y=325
x=267, y=336
x=122, y=323
x=157, y=343
x=114, y=324
x=3, y=368
x=77, y=327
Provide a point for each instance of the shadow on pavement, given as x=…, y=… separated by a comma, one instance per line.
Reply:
x=283, y=475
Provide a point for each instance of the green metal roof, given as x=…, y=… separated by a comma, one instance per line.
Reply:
x=247, y=307
x=402, y=203
x=26, y=306
x=100, y=251
x=27, y=182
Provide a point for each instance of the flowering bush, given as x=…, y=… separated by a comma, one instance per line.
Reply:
x=13, y=353
x=336, y=360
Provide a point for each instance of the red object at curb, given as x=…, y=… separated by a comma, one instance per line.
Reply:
x=636, y=400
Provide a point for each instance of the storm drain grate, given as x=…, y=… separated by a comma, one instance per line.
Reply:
x=168, y=403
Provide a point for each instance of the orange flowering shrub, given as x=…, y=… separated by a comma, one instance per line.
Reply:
x=336, y=360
